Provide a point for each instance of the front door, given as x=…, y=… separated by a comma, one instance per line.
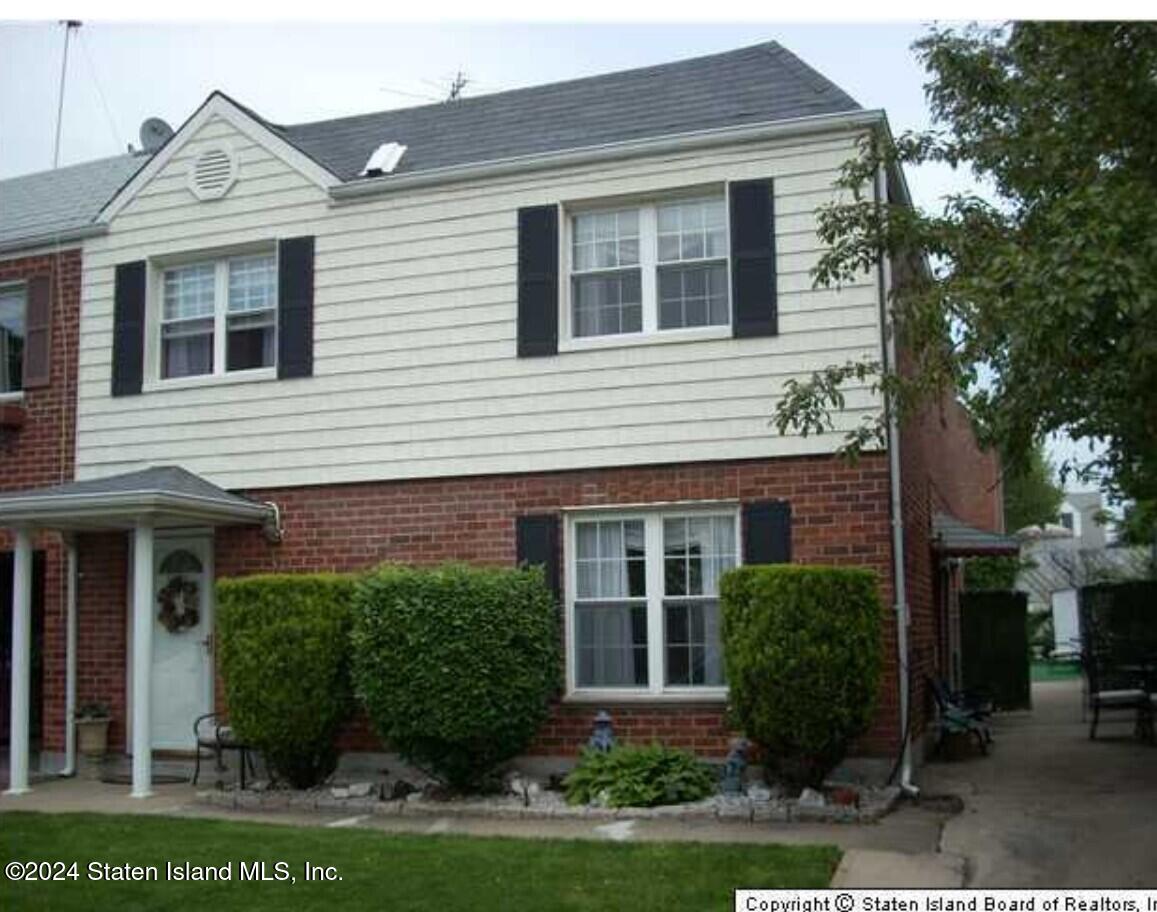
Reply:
x=182, y=675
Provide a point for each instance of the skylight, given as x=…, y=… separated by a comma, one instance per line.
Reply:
x=384, y=160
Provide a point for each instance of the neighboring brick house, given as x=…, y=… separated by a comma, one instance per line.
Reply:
x=43, y=220
x=546, y=325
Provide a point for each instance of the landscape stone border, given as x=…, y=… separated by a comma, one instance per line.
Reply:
x=874, y=804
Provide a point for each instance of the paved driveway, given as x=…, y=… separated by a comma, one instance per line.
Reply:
x=1051, y=808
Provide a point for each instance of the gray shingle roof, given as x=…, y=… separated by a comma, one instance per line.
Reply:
x=36, y=208
x=758, y=84
x=154, y=480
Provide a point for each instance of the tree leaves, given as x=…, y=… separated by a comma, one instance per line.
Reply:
x=1043, y=288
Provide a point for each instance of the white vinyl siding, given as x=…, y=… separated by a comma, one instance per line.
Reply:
x=415, y=367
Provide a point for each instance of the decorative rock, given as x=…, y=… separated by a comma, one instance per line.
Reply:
x=360, y=789
x=757, y=792
x=402, y=789
x=810, y=798
x=732, y=808
x=261, y=785
x=339, y=791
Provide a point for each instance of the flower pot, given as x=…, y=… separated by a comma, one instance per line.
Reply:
x=92, y=737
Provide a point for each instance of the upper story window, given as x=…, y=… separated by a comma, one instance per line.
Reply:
x=13, y=302
x=219, y=316
x=649, y=268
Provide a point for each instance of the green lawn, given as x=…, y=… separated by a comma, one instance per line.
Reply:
x=385, y=871
x=1055, y=671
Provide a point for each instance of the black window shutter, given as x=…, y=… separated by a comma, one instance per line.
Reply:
x=767, y=532
x=128, y=339
x=536, y=542
x=537, y=281
x=295, y=307
x=753, y=259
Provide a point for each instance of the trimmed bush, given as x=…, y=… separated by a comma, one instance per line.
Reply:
x=284, y=653
x=802, y=652
x=629, y=776
x=455, y=664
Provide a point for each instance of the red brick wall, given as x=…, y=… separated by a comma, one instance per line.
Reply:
x=942, y=469
x=42, y=453
x=840, y=516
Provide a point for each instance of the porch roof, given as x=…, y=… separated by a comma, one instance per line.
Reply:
x=166, y=495
x=955, y=538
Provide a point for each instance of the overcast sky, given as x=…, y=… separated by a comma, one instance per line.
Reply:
x=119, y=74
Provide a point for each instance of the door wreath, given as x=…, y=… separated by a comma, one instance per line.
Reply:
x=179, y=600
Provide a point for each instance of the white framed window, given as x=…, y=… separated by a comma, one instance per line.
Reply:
x=648, y=269
x=643, y=617
x=13, y=309
x=218, y=316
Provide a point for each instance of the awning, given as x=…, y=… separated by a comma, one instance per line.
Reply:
x=168, y=496
x=953, y=537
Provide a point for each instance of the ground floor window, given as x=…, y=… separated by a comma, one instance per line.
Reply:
x=643, y=599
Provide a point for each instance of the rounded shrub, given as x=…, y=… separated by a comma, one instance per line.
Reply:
x=638, y=776
x=802, y=652
x=283, y=645
x=455, y=664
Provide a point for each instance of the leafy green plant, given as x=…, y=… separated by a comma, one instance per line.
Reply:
x=638, y=776
x=802, y=650
x=455, y=664
x=284, y=654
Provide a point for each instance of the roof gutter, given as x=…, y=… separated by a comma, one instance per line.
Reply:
x=52, y=238
x=678, y=142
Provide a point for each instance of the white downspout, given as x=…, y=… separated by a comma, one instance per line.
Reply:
x=899, y=585
x=21, y=662
x=70, y=660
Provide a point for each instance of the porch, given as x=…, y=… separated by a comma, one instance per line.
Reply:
x=162, y=512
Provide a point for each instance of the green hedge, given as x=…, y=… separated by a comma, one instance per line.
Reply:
x=802, y=651
x=632, y=776
x=284, y=655
x=455, y=664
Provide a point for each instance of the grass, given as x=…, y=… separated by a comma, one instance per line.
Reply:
x=1055, y=671
x=387, y=871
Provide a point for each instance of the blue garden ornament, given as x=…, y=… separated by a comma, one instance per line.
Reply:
x=603, y=735
x=734, y=768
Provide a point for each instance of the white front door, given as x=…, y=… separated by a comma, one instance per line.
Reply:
x=182, y=674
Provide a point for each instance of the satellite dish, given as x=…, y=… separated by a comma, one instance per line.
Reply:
x=154, y=134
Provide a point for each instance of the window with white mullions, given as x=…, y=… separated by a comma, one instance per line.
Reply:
x=692, y=264
x=656, y=267
x=187, y=320
x=252, y=317
x=219, y=316
x=606, y=286
x=697, y=551
x=644, y=600
x=611, y=604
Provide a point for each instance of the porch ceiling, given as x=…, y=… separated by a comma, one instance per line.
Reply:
x=168, y=496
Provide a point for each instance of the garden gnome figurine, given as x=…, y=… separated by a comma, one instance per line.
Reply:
x=733, y=769
x=603, y=736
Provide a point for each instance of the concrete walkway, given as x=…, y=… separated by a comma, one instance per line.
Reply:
x=1049, y=807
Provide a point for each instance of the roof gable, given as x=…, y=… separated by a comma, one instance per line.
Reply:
x=219, y=105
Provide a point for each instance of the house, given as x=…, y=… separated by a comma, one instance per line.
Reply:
x=43, y=221
x=545, y=325
x=1063, y=557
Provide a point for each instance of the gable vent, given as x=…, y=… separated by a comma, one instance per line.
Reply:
x=213, y=173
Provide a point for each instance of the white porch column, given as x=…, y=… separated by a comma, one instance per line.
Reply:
x=142, y=658
x=21, y=664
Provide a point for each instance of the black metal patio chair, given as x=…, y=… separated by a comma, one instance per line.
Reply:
x=216, y=736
